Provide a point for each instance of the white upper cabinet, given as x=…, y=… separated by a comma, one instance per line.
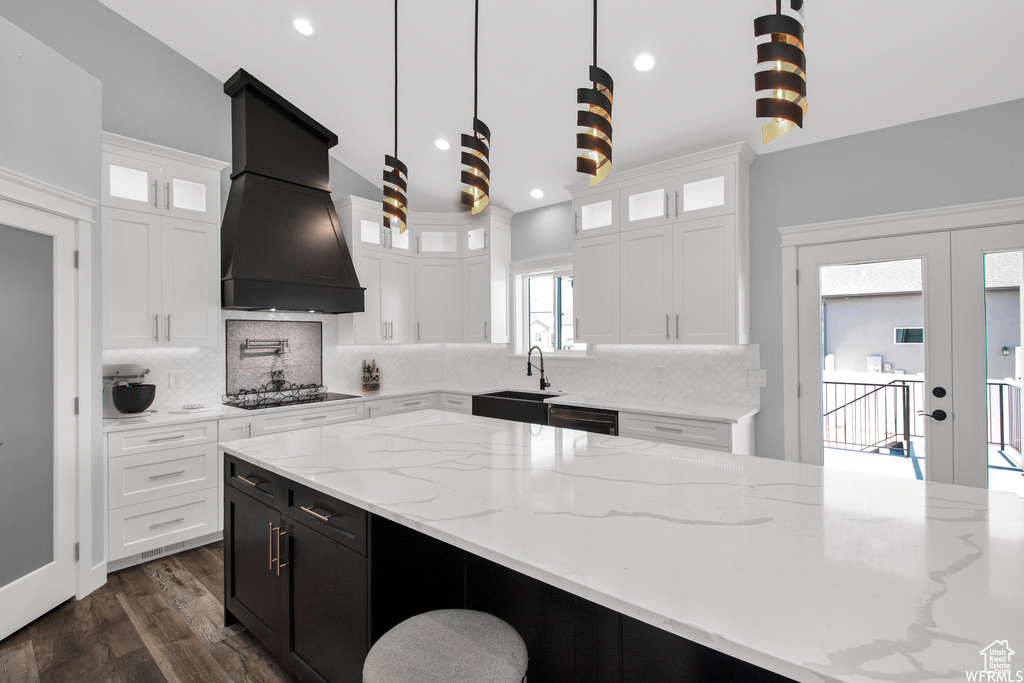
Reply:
x=439, y=303
x=488, y=247
x=158, y=180
x=160, y=222
x=596, y=213
x=677, y=240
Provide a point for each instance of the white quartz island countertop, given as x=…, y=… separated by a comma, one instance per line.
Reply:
x=817, y=574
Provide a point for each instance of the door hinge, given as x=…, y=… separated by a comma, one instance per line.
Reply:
x=76, y=258
x=77, y=552
x=797, y=276
x=76, y=405
x=798, y=389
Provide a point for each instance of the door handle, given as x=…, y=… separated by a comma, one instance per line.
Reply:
x=937, y=415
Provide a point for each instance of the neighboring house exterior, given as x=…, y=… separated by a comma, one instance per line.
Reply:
x=864, y=305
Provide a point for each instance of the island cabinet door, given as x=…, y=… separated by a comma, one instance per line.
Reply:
x=252, y=590
x=326, y=626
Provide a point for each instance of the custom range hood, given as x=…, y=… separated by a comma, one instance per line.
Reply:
x=281, y=240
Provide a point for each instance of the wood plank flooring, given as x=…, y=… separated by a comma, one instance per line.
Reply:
x=159, y=621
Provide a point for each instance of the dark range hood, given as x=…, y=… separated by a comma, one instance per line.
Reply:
x=281, y=240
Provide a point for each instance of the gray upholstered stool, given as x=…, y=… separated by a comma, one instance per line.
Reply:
x=448, y=646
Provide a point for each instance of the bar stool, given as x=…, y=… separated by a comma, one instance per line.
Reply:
x=448, y=646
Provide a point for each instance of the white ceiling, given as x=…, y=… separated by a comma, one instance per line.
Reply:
x=870, y=64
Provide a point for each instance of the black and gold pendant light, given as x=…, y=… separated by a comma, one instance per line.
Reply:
x=780, y=55
x=396, y=175
x=476, y=147
x=596, y=141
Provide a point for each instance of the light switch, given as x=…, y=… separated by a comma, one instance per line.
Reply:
x=174, y=379
x=757, y=378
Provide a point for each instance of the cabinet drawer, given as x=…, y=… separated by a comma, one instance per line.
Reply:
x=703, y=433
x=251, y=479
x=273, y=423
x=457, y=403
x=160, y=438
x=143, y=477
x=407, y=404
x=336, y=519
x=137, y=528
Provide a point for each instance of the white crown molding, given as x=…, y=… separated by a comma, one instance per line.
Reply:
x=22, y=189
x=120, y=144
x=541, y=264
x=709, y=157
x=957, y=217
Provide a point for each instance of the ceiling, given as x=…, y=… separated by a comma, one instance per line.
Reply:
x=870, y=64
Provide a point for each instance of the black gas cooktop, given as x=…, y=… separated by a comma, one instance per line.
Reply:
x=273, y=398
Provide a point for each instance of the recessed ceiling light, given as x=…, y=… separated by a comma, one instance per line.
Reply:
x=536, y=193
x=644, y=61
x=441, y=143
x=303, y=27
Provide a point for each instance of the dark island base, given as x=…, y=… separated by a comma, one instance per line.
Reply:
x=322, y=591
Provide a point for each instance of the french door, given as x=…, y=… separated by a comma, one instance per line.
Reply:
x=38, y=428
x=934, y=291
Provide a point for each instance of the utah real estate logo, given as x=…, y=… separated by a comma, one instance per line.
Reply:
x=997, y=665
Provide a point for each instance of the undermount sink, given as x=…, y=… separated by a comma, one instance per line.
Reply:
x=519, y=406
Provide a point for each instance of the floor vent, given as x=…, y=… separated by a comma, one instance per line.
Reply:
x=160, y=551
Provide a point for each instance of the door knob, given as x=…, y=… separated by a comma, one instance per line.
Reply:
x=938, y=392
x=939, y=415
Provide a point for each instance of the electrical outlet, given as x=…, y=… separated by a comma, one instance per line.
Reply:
x=757, y=378
x=174, y=379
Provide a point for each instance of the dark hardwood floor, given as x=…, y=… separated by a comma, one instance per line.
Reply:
x=163, y=620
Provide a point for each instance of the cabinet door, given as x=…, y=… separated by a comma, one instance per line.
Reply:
x=645, y=205
x=439, y=300
x=131, y=279
x=705, y=193
x=130, y=183
x=369, y=325
x=477, y=318
x=646, y=268
x=368, y=232
x=189, y=191
x=477, y=239
x=398, y=299
x=234, y=428
x=325, y=583
x=400, y=243
x=252, y=589
x=595, y=275
x=596, y=214
x=191, y=284
x=705, y=281
x=439, y=241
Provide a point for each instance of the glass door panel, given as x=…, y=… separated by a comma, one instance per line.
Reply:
x=130, y=183
x=438, y=243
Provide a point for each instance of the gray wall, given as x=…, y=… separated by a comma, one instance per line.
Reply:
x=861, y=326
x=547, y=231
x=1002, y=328
x=971, y=156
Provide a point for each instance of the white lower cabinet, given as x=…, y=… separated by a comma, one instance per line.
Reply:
x=399, y=404
x=455, y=402
x=283, y=421
x=163, y=489
x=734, y=437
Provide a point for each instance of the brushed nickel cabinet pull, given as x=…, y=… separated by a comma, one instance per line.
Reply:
x=168, y=327
x=576, y=222
x=322, y=518
x=663, y=428
x=270, y=546
x=279, y=535
x=666, y=205
x=167, y=197
x=313, y=417
x=417, y=331
x=412, y=403
x=156, y=195
x=167, y=474
x=172, y=521
x=156, y=327
x=167, y=438
x=677, y=203
x=485, y=330
x=677, y=326
x=667, y=335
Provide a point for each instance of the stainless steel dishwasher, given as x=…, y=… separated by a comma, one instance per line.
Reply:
x=595, y=420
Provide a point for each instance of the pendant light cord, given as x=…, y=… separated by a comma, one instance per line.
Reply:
x=476, y=49
x=778, y=6
x=396, y=79
x=595, y=32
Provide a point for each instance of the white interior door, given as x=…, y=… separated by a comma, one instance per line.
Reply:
x=930, y=254
x=37, y=420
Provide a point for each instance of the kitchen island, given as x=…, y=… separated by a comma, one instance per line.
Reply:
x=811, y=573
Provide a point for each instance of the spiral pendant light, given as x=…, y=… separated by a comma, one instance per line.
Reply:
x=780, y=56
x=396, y=175
x=596, y=142
x=476, y=147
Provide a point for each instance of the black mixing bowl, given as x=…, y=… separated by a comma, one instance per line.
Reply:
x=133, y=398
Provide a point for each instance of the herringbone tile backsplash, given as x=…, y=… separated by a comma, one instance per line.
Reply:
x=716, y=374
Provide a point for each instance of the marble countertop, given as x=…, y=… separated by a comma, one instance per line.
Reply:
x=817, y=574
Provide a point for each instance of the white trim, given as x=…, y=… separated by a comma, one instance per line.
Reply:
x=790, y=357
x=126, y=146
x=957, y=217
x=541, y=264
x=22, y=189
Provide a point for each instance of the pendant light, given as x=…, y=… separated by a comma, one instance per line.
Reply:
x=780, y=51
x=396, y=175
x=596, y=141
x=476, y=147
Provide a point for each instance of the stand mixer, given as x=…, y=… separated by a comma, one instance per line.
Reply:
x=115, y=374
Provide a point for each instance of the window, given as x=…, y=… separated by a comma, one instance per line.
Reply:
x=909, y=335
x=547, y=314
